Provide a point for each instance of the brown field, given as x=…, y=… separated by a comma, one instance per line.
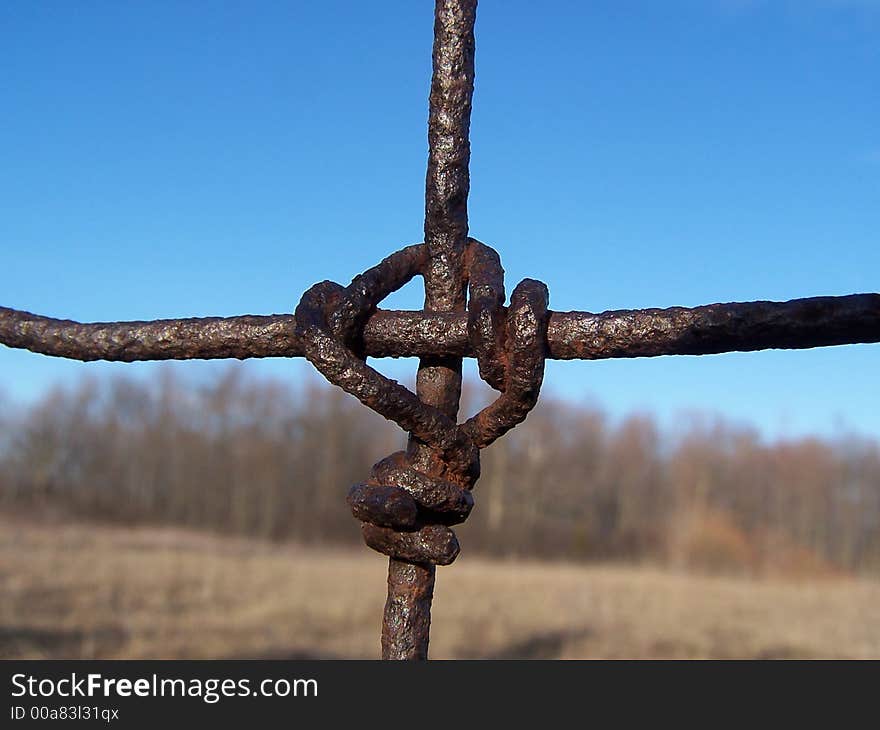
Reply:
x=83, y=592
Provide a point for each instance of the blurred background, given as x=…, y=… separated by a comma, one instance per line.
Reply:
x=194, y=159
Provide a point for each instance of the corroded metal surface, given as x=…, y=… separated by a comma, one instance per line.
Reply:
x=407, y=618
x=408, y=607
x=716, y=328
x=412, y=497
x=710, y=329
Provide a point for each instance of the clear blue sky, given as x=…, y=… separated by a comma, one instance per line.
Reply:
x=175, y=158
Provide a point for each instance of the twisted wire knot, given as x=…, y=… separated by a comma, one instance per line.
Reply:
x=411, y=498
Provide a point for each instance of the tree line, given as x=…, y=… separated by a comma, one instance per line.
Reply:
x=258, y=457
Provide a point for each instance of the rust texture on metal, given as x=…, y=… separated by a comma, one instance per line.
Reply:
x=412, y=498
x=407, y=616
x=709, y=329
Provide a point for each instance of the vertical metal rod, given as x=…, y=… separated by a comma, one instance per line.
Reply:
x=407, y=619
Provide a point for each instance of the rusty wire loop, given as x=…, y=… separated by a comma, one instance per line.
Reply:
x=407, y=505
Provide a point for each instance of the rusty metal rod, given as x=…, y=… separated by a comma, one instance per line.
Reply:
x=710, y=329
x=407, y=619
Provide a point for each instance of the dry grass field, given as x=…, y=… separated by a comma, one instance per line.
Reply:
x=82, y=592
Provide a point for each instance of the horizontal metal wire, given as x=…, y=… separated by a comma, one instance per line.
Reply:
x=714, y=328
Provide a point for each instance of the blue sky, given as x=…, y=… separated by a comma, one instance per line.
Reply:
x=178, y=158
